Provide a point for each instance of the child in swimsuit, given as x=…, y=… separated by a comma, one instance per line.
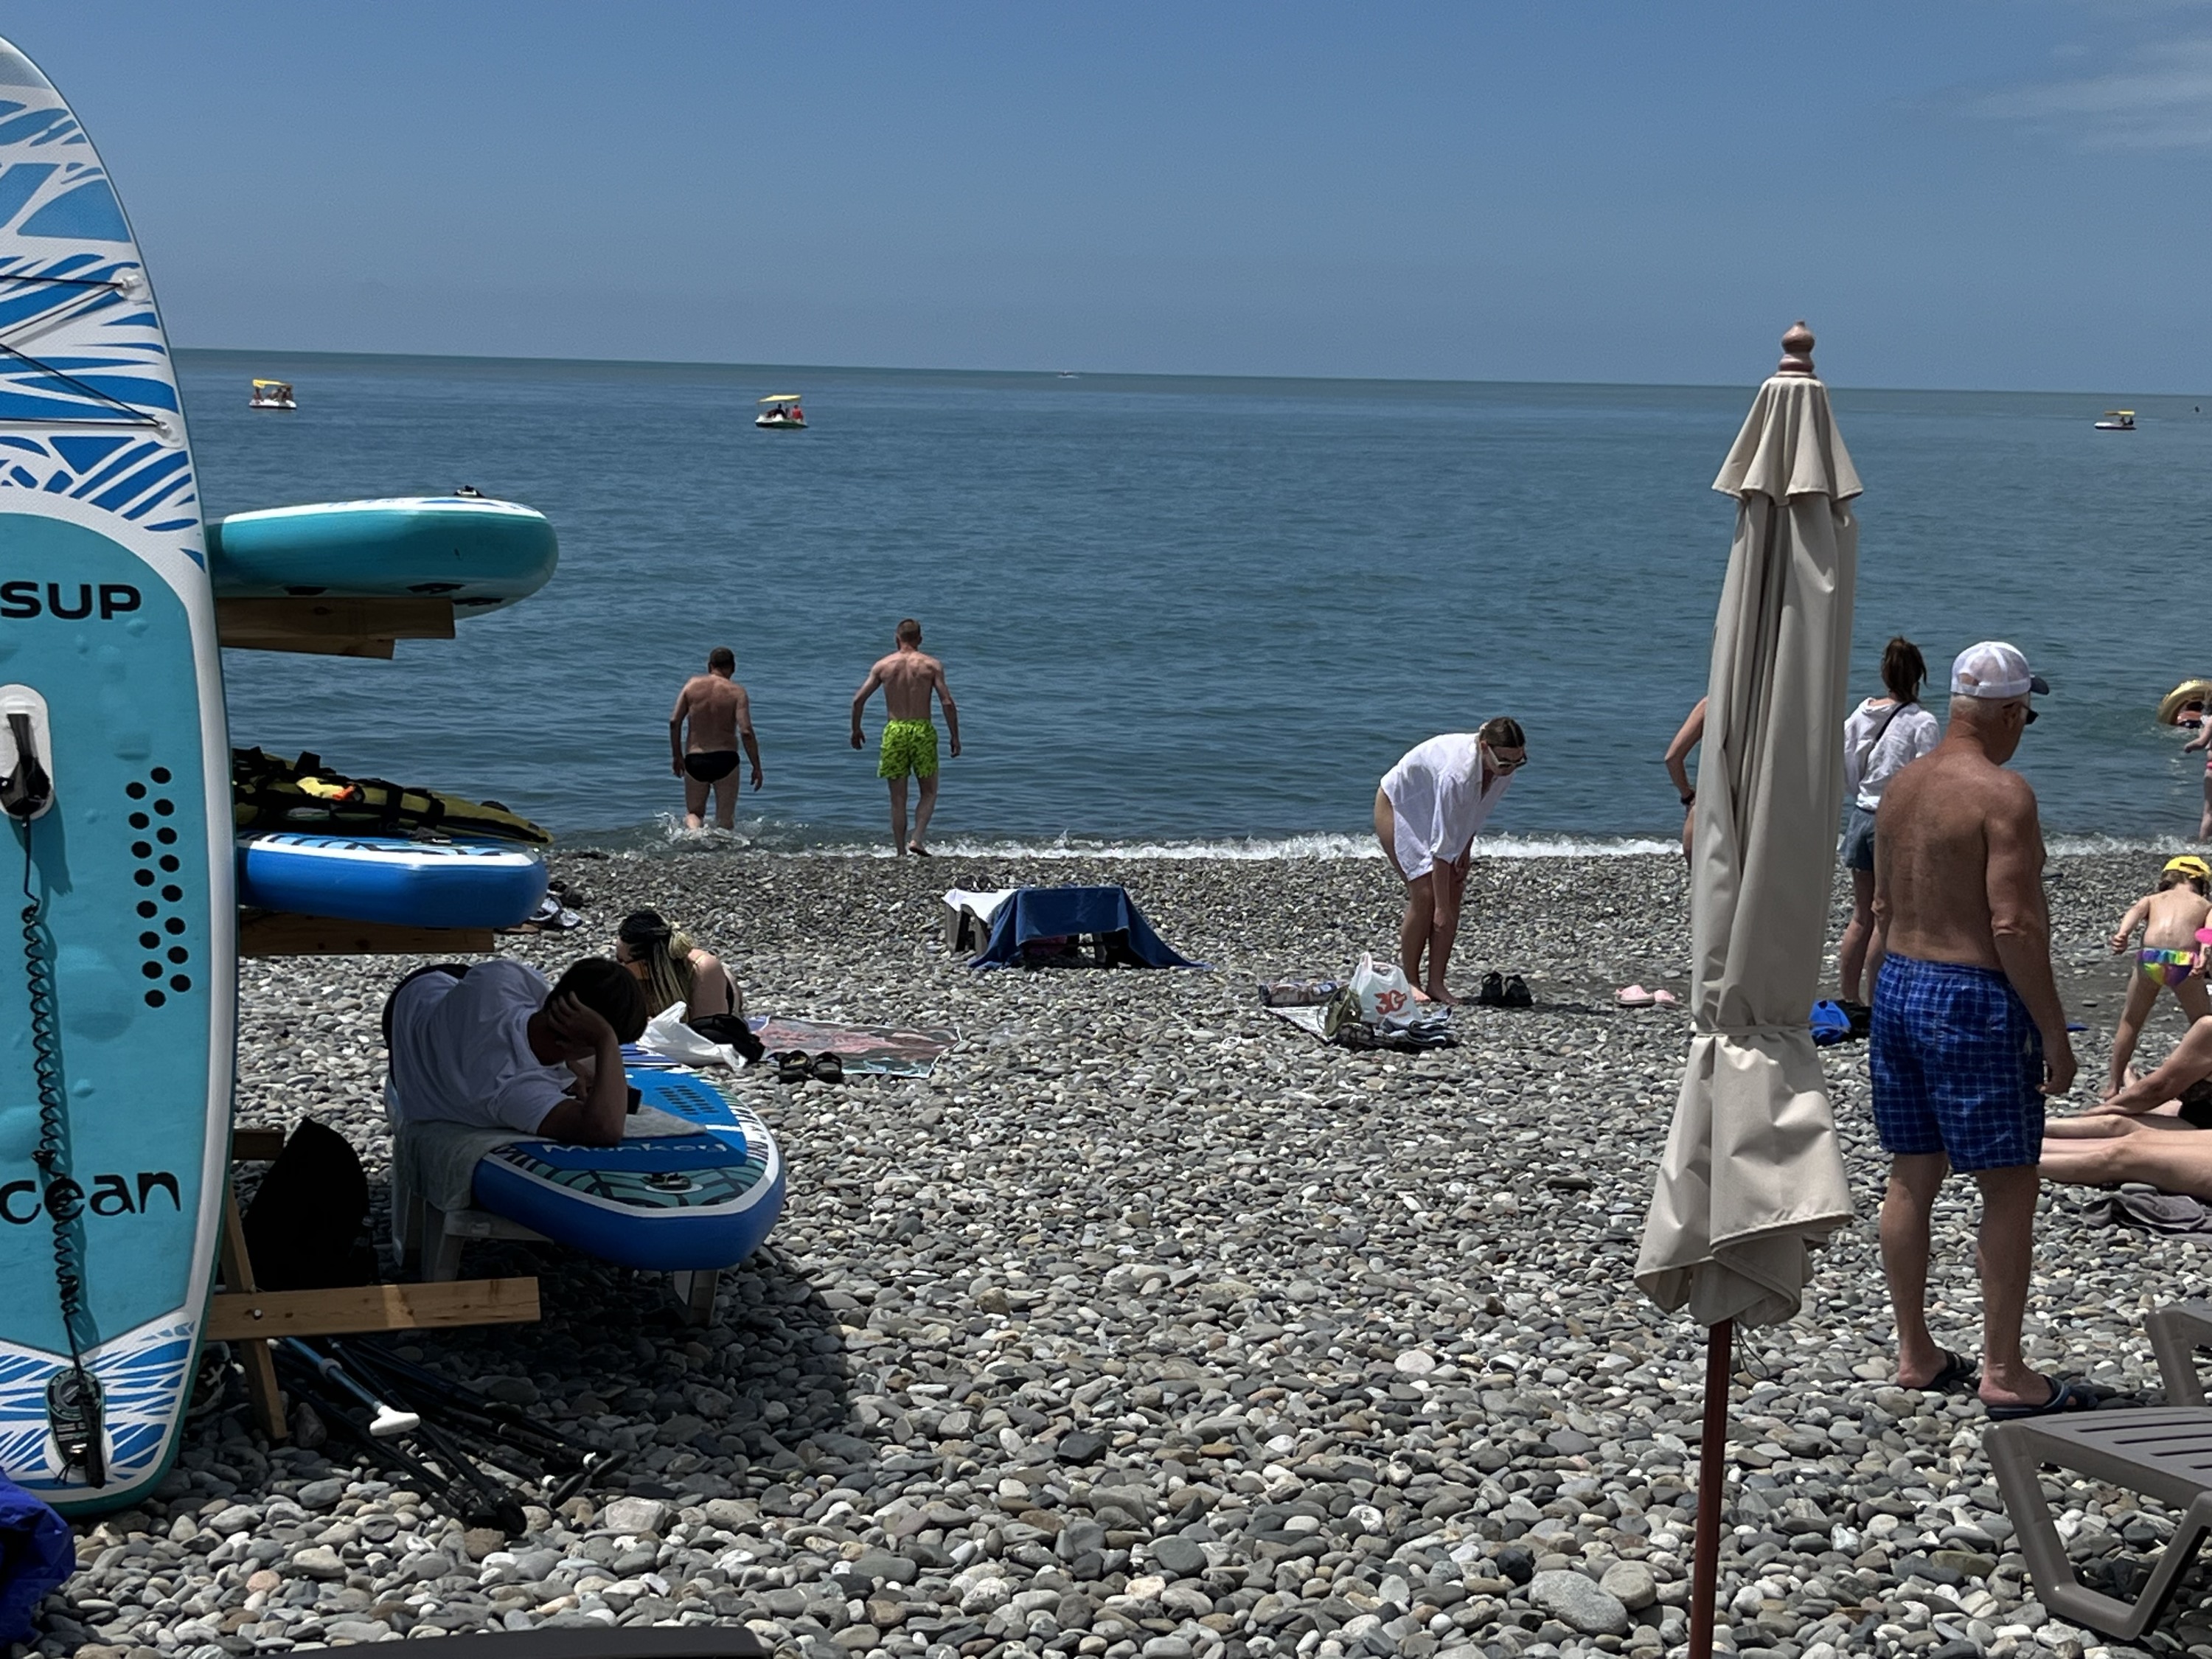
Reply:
x=2171, y=956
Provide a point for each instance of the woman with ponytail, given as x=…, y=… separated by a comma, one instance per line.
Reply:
x=671, y=969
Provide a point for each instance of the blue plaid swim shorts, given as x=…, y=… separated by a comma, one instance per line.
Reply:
x=1957, y=1065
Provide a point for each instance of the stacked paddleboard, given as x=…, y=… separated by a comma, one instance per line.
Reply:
x=115, y=1084
x=476, y=555
x=481, y=555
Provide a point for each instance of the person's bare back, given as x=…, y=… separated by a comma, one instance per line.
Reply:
x=909, y=679
x=1954, y=827
x=715, y=705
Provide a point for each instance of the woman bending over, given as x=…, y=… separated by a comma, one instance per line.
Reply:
x=673, y=969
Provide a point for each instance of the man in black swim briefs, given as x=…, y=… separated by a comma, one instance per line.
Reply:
x=719, y=716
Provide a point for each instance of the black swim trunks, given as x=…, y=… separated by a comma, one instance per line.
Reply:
x=711, y=765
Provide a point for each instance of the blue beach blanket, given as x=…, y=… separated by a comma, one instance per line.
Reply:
x=1106, y=914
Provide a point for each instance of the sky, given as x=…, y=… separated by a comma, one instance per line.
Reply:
x=1980, y=194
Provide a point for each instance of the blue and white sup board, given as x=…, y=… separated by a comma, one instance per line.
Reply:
x=387, y=878
x=662, y=1203
x=118, y=997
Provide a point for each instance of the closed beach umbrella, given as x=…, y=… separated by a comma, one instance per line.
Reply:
x=1753, y=1174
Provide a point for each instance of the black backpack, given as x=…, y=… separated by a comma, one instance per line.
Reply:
x=303, y=1230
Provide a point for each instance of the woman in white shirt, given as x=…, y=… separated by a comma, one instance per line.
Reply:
x=1426, y=813
x=1881, y=738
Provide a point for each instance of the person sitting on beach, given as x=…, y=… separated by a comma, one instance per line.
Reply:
x=1882, y=736
x=1688, y=737
x=491, y=1046
x=720, y=717
x=671, y=969
x=908, y=677
x=1427, y=810
x=2169, y=957
x=2141, y=1133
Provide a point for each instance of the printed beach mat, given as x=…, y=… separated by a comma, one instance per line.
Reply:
x=865, y=1050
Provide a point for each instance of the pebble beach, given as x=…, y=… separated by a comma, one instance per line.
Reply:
x=1150, y=1328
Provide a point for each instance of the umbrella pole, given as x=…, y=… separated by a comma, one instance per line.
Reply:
x=1712, y=1458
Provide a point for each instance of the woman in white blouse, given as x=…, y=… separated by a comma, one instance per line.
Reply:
x=1426, y=813
x=1883, y=736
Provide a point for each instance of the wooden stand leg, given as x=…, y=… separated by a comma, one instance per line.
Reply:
x=238, y=1278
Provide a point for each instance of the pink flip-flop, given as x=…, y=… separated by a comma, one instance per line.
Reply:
x=1665, y=999
x=1635, y=996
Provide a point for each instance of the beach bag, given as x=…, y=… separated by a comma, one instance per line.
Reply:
x=668, y=1034
x=303, y=1230
x=1385, y=996
x=1831, y=1025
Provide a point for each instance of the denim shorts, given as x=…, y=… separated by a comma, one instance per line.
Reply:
x=1957, y=1065
x=1858, y=840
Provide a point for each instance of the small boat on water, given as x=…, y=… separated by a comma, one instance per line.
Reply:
x=2118, y=419
x=781, y=413
x=272, y=394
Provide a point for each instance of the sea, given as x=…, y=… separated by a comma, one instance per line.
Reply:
x=1185, y=616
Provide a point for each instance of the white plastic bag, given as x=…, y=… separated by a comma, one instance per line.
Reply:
x=1386, y=996
x=667, y=1036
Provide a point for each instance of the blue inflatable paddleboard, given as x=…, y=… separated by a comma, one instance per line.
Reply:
x=389, y=879
x=481, y=553
x=662, y=1203
x=119, y=999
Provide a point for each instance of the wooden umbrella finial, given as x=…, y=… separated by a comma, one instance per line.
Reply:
x=1796, y=349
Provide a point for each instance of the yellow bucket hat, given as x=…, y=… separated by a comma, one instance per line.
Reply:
x=2190, y=866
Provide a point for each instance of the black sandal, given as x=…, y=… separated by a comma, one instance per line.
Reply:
x=1493, y=993
x=828, y=1068
x=1959, y=1375
x=793, y=1066
x=1516, y=994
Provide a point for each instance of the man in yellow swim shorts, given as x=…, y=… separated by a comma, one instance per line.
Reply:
x=908, y=677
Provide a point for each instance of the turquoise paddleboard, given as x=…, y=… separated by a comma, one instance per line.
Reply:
x=119, y=995
x=479, y=553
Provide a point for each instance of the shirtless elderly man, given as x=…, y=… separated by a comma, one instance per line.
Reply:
x=1968, y=1033
x=908, y=677
x=719, y=716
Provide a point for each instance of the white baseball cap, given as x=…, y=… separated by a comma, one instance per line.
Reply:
x=1994, y=670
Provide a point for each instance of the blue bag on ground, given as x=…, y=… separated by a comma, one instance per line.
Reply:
x=1057, y=916
x=37, y=1552
x=1830, y=1025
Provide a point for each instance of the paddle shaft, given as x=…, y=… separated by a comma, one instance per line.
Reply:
x=1712, y=1456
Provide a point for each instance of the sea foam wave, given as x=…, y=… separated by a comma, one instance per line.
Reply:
x=667, y=834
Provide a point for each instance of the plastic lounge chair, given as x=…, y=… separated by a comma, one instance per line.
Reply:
x=2162, y=1452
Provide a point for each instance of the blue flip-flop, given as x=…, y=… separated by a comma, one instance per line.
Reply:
x=2067, y=1394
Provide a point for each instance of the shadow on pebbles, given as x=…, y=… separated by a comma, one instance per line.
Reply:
x=1149, y=1327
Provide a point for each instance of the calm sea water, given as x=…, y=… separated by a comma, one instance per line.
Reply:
x=1188, y=611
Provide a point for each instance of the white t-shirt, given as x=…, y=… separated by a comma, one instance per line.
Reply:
x=1869, y=762
x=460, y=1053
x=1437, y=800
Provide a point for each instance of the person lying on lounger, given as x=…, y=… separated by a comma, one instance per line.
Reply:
x=491, y=1046
x=2147, y=1132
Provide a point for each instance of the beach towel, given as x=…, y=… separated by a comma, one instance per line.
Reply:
x=1338, y=1024
x=863, y=1050
x=1109, y=915
x=2149, y=1209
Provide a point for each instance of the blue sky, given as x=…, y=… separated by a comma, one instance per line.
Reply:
x=2002, y=193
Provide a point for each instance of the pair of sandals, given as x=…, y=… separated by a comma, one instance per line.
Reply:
x=797, y=1066
x=1635, y=996
x=1510, y=991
